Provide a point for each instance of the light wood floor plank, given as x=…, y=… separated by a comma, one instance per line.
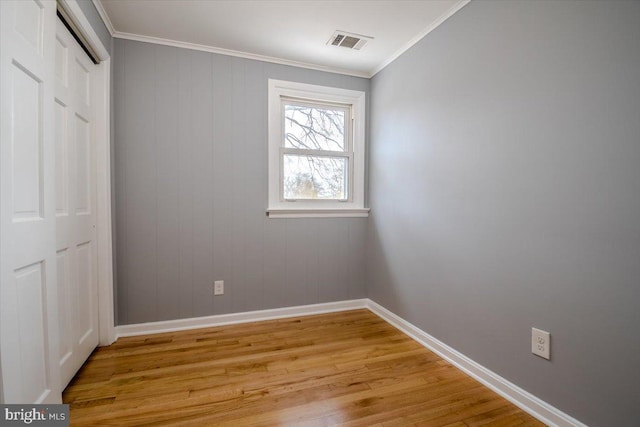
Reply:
x=348, y=368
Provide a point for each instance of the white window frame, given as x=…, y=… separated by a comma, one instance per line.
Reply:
x=353, y=206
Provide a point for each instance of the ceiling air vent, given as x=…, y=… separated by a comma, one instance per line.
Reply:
x=348, y=40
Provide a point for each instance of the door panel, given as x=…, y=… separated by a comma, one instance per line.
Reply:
x=62, y=174
x=64, y=319
x=83, y=167
x=29, y=23
x=26, y=124
x=75, y=190
x=28, y=294
x=30, y=284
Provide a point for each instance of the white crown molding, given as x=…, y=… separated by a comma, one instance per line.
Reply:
x=206, y=48
x=538, y=408
x=435, y=24
x=105, y=17
x=236, y=318
x=256, y=57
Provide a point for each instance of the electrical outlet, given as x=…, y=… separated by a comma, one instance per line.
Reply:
x=541, y=343
x=218, y=287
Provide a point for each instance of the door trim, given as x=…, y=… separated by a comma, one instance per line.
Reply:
x=106, y=320
x=102, y=90
x=82, y=23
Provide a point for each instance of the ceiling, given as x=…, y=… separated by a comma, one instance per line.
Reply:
x=284, y=31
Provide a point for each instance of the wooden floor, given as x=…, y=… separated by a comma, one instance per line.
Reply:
x=348, y=368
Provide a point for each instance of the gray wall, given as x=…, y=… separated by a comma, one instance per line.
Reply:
x=191, y=192
x=96, y=22
x=505, y=195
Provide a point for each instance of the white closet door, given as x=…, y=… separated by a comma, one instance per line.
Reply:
x=28, y=297
x=76, y=247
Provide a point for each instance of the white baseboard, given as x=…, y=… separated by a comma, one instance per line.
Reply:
x=519, y=397
x=235, y=318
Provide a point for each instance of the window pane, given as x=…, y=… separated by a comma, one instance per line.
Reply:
x=314, y=128
x=313, y=177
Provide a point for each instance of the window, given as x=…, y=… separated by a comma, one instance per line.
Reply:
x=316, y=151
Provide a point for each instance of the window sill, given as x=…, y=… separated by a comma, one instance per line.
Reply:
x=318, y=213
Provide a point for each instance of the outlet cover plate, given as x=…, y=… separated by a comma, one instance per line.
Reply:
x=218, y=287
x=541, y=343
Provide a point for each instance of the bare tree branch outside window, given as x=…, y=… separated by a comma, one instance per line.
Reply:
x=309, y=176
